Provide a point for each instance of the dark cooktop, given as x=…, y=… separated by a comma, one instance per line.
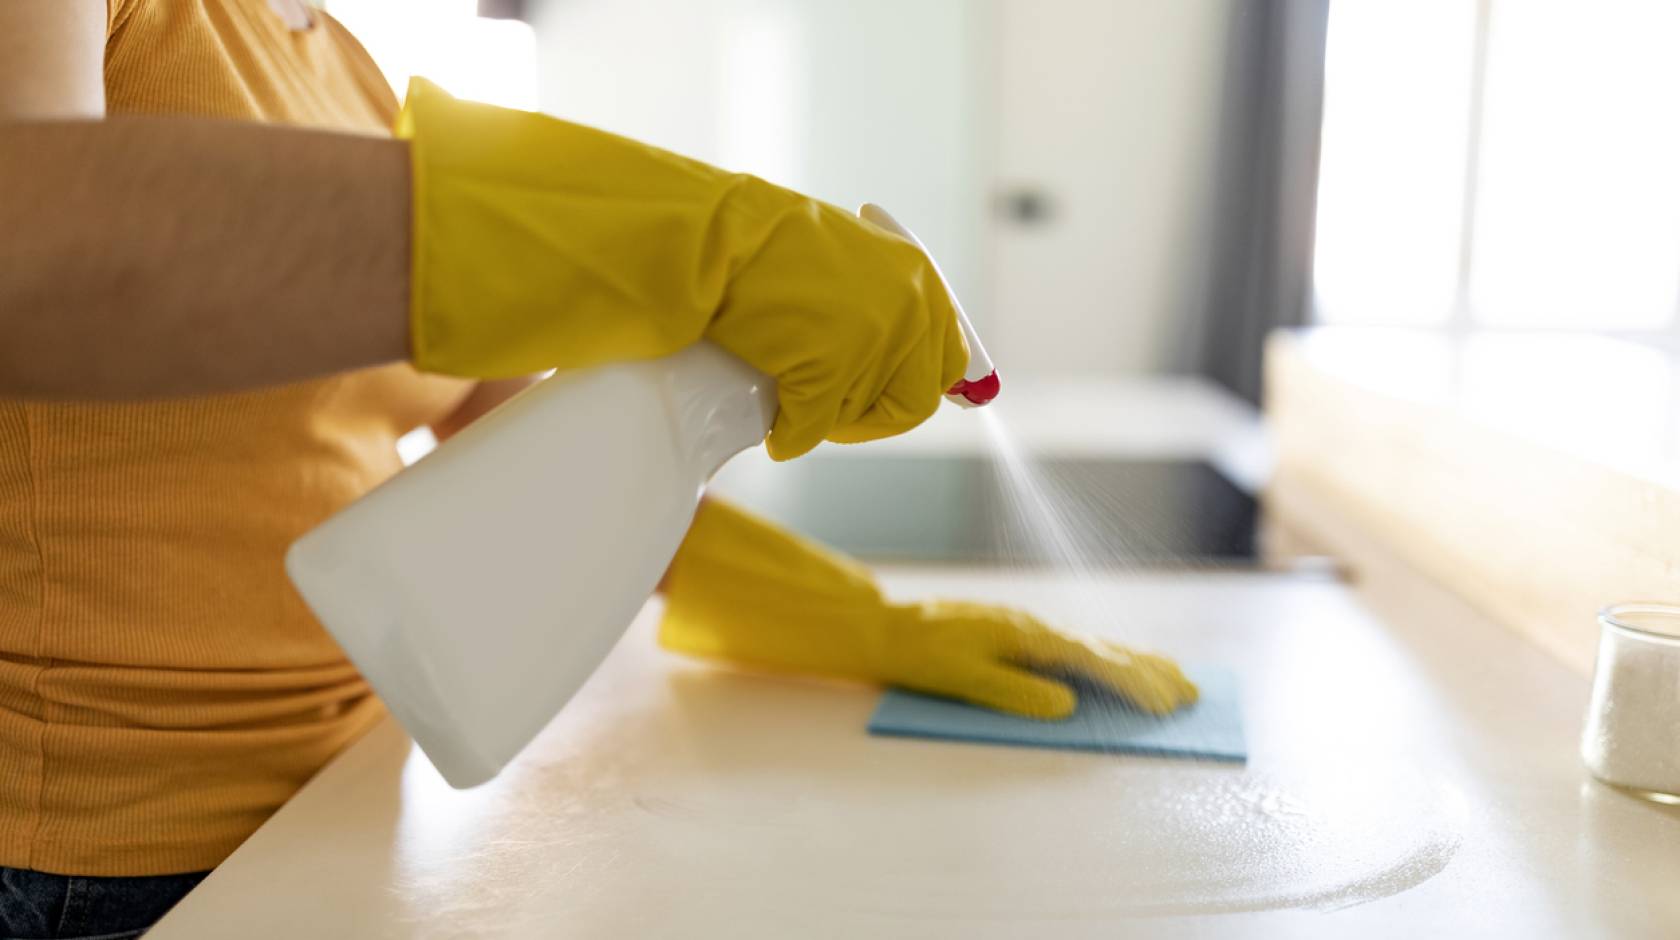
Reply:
x=966, y=510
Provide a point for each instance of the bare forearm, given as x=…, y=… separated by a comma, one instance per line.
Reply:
x=144, y=257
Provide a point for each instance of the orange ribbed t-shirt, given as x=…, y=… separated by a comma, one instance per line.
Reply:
x=162, y=689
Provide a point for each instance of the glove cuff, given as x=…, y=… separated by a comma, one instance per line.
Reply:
x=745, y=589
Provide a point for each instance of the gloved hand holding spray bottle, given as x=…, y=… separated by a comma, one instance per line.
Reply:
x=696, y=313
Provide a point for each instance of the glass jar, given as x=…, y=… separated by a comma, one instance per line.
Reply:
x=1632, y=735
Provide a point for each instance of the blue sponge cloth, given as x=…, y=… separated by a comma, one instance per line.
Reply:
x=1210, y=729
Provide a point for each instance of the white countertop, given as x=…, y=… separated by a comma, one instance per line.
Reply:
x=1414, y=776
x=1413, y=773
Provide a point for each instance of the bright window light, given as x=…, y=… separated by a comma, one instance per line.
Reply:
x=1391, y=178
x=1578, y=198
x=1560, y=116
x=488, y=60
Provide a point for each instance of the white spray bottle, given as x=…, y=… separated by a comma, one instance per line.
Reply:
x=478, y=589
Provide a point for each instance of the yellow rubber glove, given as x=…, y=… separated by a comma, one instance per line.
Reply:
x=541, y=244
x=745, y=590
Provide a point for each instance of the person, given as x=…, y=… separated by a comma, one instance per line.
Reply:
x=234, y=274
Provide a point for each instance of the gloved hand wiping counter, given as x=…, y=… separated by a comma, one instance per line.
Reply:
x=744, y=589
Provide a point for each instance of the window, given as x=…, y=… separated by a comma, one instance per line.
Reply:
x=1502, y=163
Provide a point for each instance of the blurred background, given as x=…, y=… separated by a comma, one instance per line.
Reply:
x=1059, y=157
x=1135, y=186
x=1473, y=203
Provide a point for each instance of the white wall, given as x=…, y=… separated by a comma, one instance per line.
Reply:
x=1111, y=108
x=928, y=106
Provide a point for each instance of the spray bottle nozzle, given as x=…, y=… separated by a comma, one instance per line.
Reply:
x=972, y=393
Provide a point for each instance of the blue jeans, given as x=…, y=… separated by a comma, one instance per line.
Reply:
x=37, y=906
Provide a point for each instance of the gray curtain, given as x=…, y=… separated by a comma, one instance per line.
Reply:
x=1260, y=262
x=502, y=9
